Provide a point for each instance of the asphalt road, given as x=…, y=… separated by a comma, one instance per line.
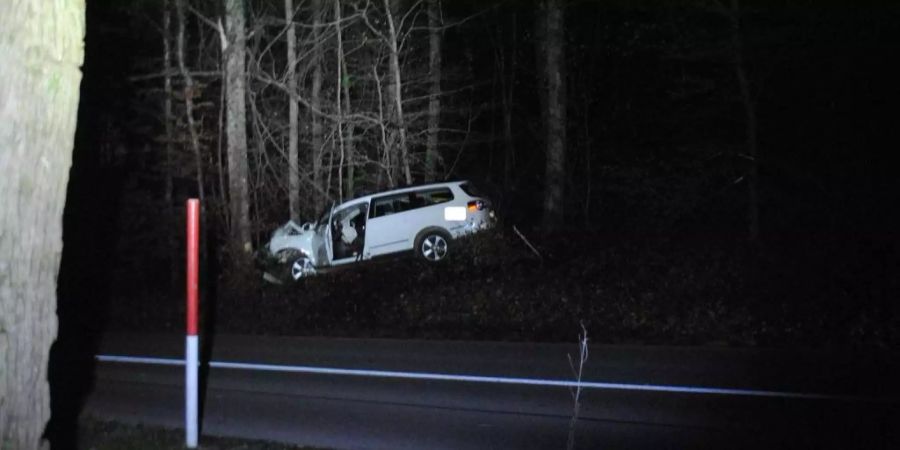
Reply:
x=335, y=411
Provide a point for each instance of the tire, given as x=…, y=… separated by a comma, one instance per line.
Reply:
x=301, y=267
x=433, y=245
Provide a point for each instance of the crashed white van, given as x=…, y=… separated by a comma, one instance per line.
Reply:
x=425, y=219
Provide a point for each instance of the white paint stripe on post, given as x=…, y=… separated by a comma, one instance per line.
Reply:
x=191, y=355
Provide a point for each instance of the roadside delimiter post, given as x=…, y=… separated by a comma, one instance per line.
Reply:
x=191, y=345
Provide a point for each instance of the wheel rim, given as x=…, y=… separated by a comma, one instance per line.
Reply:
x=300, y=268
x=434, y=248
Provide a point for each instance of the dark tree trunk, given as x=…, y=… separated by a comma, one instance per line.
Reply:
x=508, y=84
x=236, y=130
x=553, y=65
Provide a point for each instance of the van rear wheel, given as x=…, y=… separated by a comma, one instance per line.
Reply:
x=433, y=246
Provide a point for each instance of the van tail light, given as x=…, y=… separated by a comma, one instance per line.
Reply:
x=475, y=205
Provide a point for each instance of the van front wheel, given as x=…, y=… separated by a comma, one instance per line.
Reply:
x=302, y=267
x=433, y=246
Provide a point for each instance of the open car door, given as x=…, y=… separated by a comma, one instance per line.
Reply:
x=348, y=233
x=328, y=247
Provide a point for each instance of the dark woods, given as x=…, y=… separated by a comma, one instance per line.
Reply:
x=757, y=127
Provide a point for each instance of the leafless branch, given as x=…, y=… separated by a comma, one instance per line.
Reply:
x=457, y=23
x=217, y=25
x=578, y=372
x=173, y=72
x=303, y=101
x=522, y=236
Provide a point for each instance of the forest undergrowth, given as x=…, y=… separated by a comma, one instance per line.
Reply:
x=644, y=289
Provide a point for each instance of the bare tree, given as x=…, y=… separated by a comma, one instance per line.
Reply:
x=347, y=145
x=551, y=18
x=168, y=120
x=293, y=114
x=434, y=100
x=506, y=61
x=189, y=94
x=395, y=89
x=339, y=75
x=41, y=46
x=317, y=139
x=236, y=127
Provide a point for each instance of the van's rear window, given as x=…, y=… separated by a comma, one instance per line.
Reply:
x=470, y=189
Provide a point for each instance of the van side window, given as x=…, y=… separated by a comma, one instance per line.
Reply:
x=417, y=200
x=381, y=207
x=401, y=203
x=435, y=196
x=392, y=204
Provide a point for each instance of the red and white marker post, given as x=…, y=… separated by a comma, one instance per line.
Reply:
x=191, y=354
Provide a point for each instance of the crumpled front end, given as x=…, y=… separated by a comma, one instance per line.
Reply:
x=287, y=243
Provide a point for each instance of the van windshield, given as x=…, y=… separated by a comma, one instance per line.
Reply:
x=323, y=219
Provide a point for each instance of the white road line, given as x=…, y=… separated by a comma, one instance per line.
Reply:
x=490, y=379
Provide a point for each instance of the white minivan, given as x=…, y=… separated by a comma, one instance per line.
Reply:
x=425, y=219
